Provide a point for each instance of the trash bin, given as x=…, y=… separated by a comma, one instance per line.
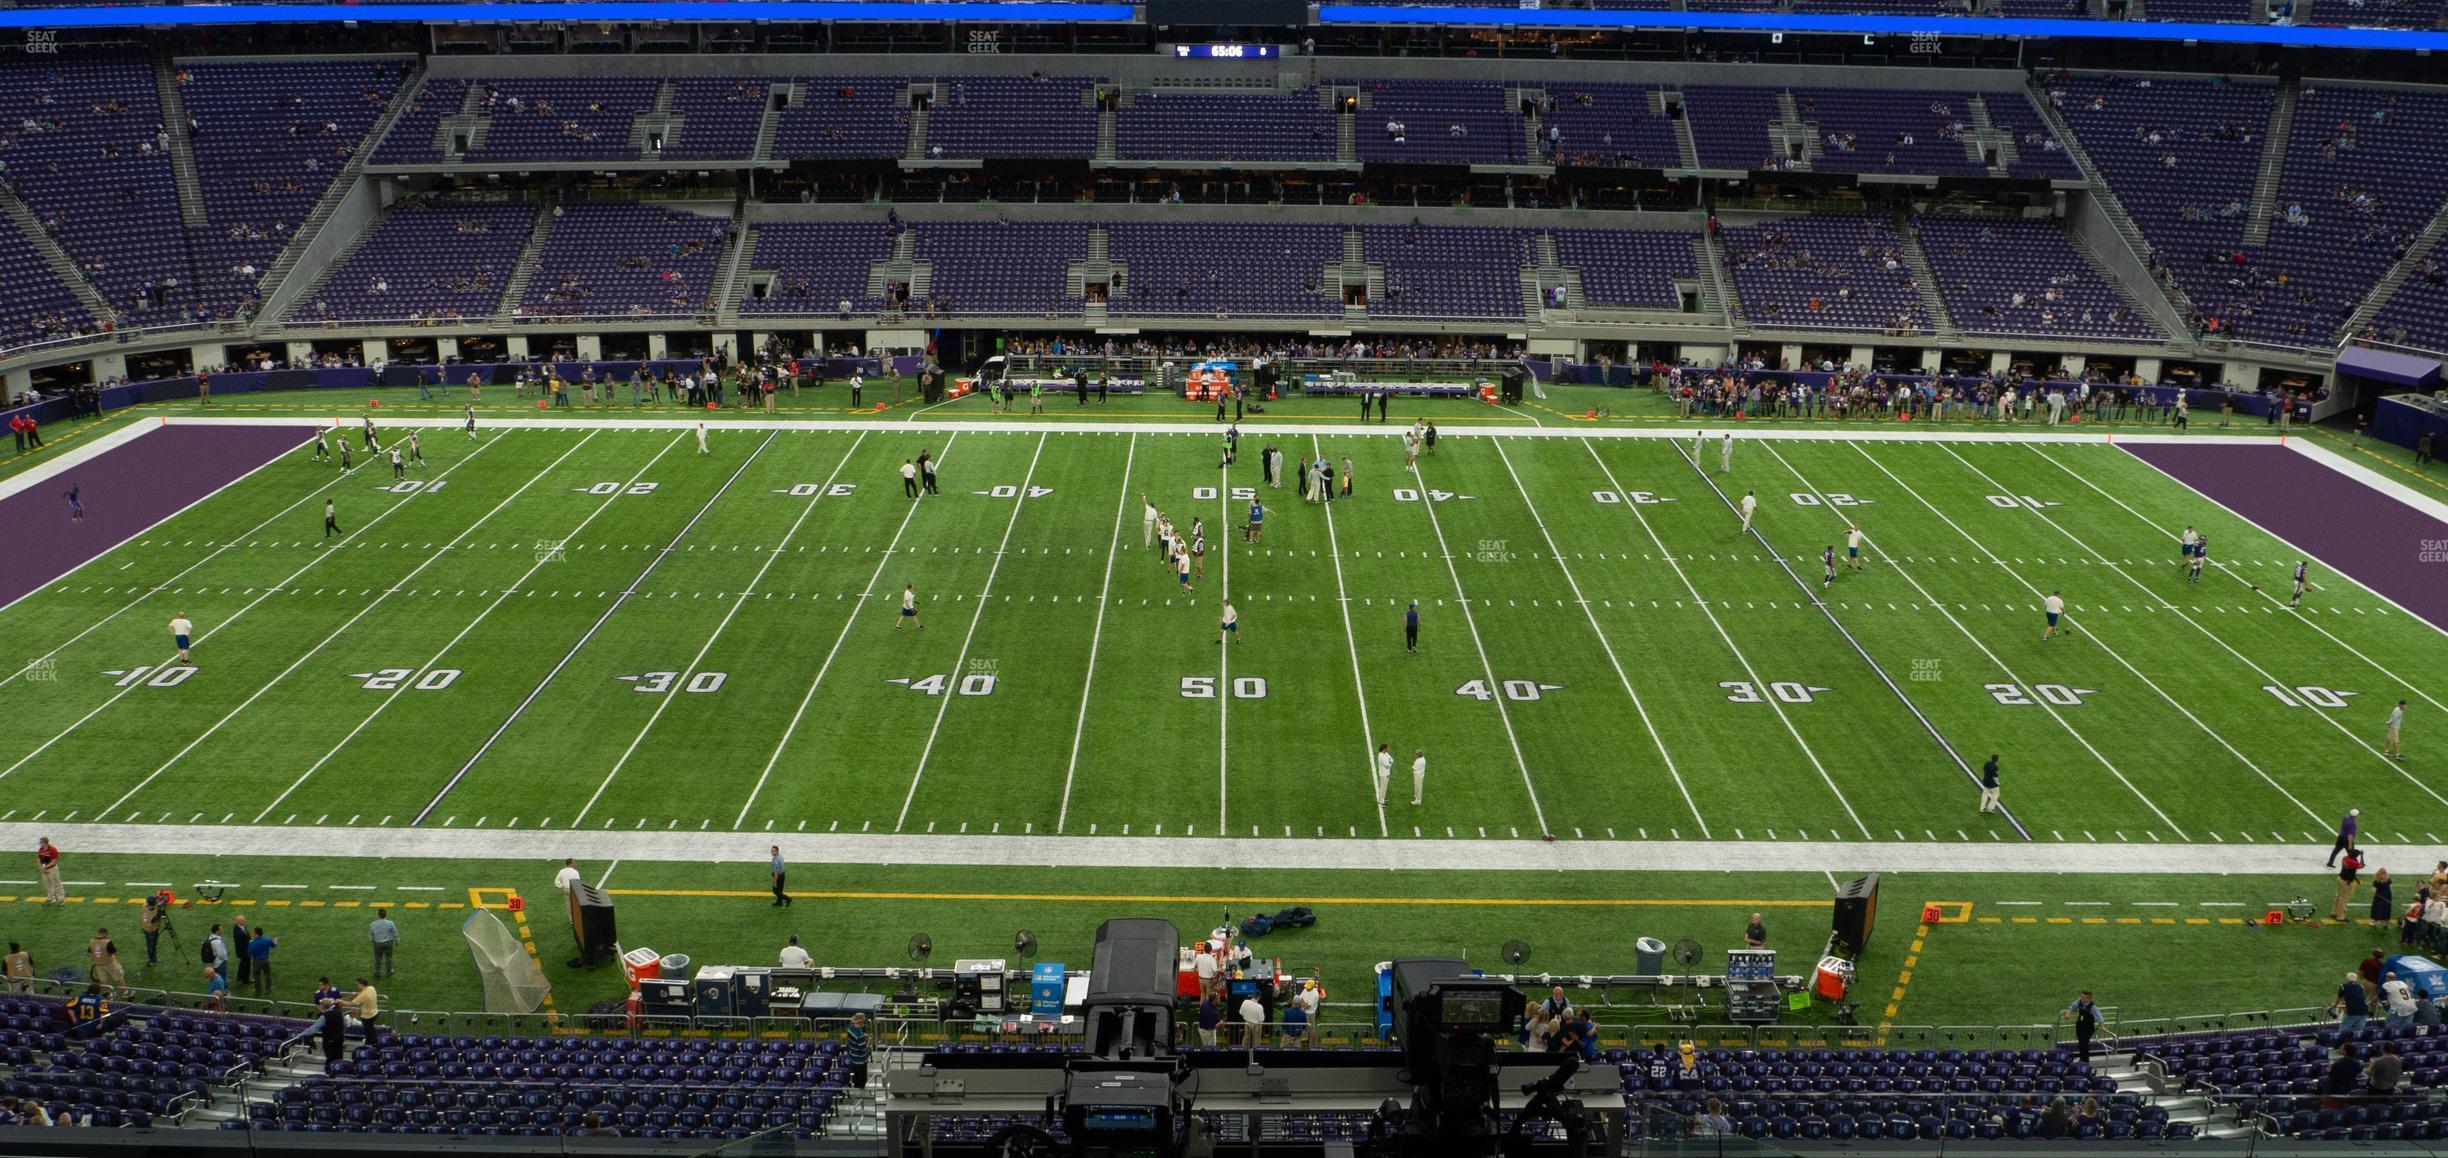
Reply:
x=1649, y=955
x=676, y=965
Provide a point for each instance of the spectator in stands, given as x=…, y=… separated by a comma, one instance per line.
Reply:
x=2352, y=1007
x=331, y=1026
x=2385, y=1071
x=216, y=990
x=2397, y=1000
x=2344, y=1077
x=855, y=1050
x=18, y=969
x=2055, y=1121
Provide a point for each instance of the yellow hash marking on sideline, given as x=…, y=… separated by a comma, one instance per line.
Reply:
x=1092, y=898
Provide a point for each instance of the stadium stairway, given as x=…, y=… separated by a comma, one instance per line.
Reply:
x=524, y=271
x=731, y=282
x=2211, y=1120
x=772, y=121
x=2106, y=198
x=2386, y=287
x=302, y=238
x=1985, y=136
x=62, y=266
x=1716, y=296
x=1685, y=146
x=182, y=149
x=2264, y=203
x=916, y=149
x=1925, y=279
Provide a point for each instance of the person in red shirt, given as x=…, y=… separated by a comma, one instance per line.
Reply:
x=46, y=865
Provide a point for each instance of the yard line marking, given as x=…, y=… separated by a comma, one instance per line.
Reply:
x=2214, y=637
x=2009, y=672
x=145, y=593
x=882, y=561
x=234, y=616
x=961, y=659
x=393, y=695
x=690, y=671
x=1351, y=642
x=2269, y=597
x=1640, y=709
x=600, y=620
x=1224, y=657
x=1728, y=639
x=1096, y=636
x=1486, y=667
x=1876, y=668
x=2111, y=652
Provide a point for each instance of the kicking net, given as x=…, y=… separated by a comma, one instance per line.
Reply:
x=513, y=981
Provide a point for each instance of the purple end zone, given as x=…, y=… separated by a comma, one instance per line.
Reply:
x=125, y=489
x=2373, y=538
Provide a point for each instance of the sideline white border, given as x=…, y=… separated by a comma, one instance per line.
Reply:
x=548, y=846
x=1249, y=429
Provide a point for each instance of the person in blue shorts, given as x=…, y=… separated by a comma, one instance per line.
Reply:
x=1230, y=629
x=180, y=633
x=76, y=504
x=909, y=607
x=2054, y=607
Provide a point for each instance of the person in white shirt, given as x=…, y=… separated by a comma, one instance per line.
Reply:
x=1147, y=520
x=1253, y=1019
x=701, y=443
x=1750, y=503
x=181, y=633
x=1419, y=773
x=1725, y=454
x=2396, y=719
x=1204, y=961
x=567, y=878
x=2054, y=606
x=1385, y=769
x=1853, y=542
x=2184, y=547
x=1230, y=629
x=909, y=607
x=794, y=957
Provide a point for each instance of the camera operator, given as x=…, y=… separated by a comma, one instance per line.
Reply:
x=153, y=922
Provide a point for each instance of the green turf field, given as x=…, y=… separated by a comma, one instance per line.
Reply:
x=604, y=628
x=600, y=629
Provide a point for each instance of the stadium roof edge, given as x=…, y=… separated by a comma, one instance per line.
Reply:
x=2284, y=35
x=574, y=11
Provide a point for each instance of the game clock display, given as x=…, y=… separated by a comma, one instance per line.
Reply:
x=1226, y=51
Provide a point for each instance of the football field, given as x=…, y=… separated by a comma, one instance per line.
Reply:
x=596, y=626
